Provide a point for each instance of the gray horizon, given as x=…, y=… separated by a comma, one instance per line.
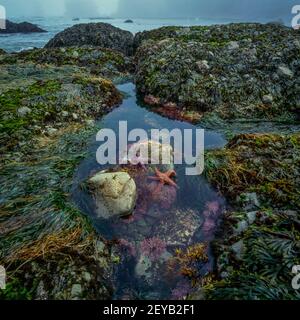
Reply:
x=234, y=9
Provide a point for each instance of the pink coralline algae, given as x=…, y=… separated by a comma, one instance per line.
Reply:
x=209, y=226
x=213, y=207
x=166, y=196
x=153, y=248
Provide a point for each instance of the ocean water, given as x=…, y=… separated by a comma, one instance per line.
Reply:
x=19, y=42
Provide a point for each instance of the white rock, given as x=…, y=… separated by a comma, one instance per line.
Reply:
x=267, y=99
x=51, y=131
x=90, y=123
x=238, y=248
x=284, y=71
x=75, y=54
x=115, y=194
x=233, y=45
x=22, y=112
x=143, y=266
x=164, y=152
x=203, y=65
x=75, y=116
x=241, y=227
x=251, y=216
x=76, y=291
x=87, y=276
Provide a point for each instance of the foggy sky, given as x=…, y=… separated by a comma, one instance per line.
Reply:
x=271, y=9
x=243, y=9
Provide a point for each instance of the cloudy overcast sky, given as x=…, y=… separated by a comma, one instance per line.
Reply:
x=264, y=9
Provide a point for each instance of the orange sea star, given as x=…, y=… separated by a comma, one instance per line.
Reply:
x=164, y=178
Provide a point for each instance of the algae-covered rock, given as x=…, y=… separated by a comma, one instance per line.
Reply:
x=257, y=172
x=29, y=106
x=96, y=60
x=225, y=71
x=115, y=194
x=178, y=228
x=94, y=34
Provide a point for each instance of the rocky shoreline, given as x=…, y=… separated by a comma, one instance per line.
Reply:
x=216, y=76
x=23, y=27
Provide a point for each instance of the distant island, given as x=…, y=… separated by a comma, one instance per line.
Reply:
x=23, y=27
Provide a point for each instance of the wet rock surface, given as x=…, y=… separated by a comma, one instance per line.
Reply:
x=49, y=101
x=97, y=60
x=94, y=34
x=259, y=174
x=219, y=74
x=231, y=72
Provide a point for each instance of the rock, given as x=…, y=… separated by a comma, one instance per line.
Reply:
x=241, y=227
x=179, y=227
x=203, y=66
x=267, y=99
x=115, y=194
x=284, y=71
x=75, y=54
x=87, y=276
x=41, y=293
x=128, y=21
x=164, y=152
x=75, y=116
x=76, y=291
x=24, y=111
x=251, y=216
x=24, y=27
x=207, y=70
x=249, y=201
x=51, y=131
x=65, y=114
x=2, y=51
x=233, y=45
x=150, y=271
x=143, y=266
x=151, y=100
x=224, y=275
x=238, y=249
x=90, y=122
x=100, y=246
x=94, y=34
x=170, y=105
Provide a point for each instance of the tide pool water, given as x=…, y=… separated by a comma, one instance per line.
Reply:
x=163, y=222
